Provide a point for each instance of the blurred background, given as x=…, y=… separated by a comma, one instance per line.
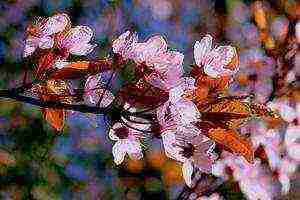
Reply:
x=36, y=163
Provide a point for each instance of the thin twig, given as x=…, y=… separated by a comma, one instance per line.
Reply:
x=12, y=94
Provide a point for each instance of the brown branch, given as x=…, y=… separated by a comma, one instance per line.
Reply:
x=13, y=94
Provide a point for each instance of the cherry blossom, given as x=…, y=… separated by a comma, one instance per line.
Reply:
x=213, y=196
x=77, y=41
x=70, y=40
x=125, y=44
x=284, y=165
x=197, y=152
x=193, y=151
x=216, y=62
x=176, y=117
x=41, y=35
x=167, y=65
x=183, y=111
x=93, y=91
x=253, y=180
x=127, y=142
x=128, y=136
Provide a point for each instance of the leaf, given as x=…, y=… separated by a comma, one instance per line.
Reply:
x=214, y=84
x=233, y=141
x=233, y=112
x=55, y=117
x=271, y=118
x=72, y=70
x=45, y=63
x=79, y=69
x=143, y=95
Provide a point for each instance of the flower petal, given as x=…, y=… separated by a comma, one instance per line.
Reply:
x=150, y=50
x=134, y=149
x=55, y=24
x=46, y=42
x=76, y=39
x=31, y=44
x=216, y=61
x=187, y=171
x=124, y=44
x=171, y=149
x=82, y=49
x=202, y=48
x=111, y=132
x=93, y=91
x=119, y=152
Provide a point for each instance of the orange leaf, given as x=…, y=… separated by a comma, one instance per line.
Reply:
x=55, y=117
x=234, y=111
x=214, y=84
x=72, y=70
x=45, y=63
x=233, y=141
x=81, y=68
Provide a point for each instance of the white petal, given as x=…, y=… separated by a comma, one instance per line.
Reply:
x=170, y=147
x=201, y=49
x=111, y=132
x=92, y=82
x=188, y=111
x=217, y=59
x=125, y=44
x=294, y=151
x=77, y=37
x=120, y=43
x=111, y=135
x=61, y=64
x=187, y=171
x=30, y=46
x=134, y=149
x=150, y=50
x=55, y=24
x=82, y=49
x=119, y=152
x=46, y=42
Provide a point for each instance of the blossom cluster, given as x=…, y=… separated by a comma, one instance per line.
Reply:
x=195, y=122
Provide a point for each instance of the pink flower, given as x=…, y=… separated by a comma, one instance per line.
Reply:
x=253, y=180
x=292, y=142
x=76, y=41
x=128, y=136
x=182, y=110
x=167, y=65
x=272, y=143
x=168, y=71
x=192, y=151
x=181, y=139
x=71, y=40
x=214, y=196
x=124, y=44
x=216, y=62
x=42, y=34
x=93, y=90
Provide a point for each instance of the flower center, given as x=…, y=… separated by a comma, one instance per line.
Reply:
x=122, y=132
x=188, y=151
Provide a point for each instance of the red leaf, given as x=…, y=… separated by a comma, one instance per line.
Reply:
x=79, y=69
x=233, y=141
x=72, y=70
x=44, y=63
x=145, y=96
x=55, y=117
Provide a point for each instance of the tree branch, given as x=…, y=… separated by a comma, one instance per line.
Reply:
x=13, y=94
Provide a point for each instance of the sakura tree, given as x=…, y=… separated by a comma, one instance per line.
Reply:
x=210, y=133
